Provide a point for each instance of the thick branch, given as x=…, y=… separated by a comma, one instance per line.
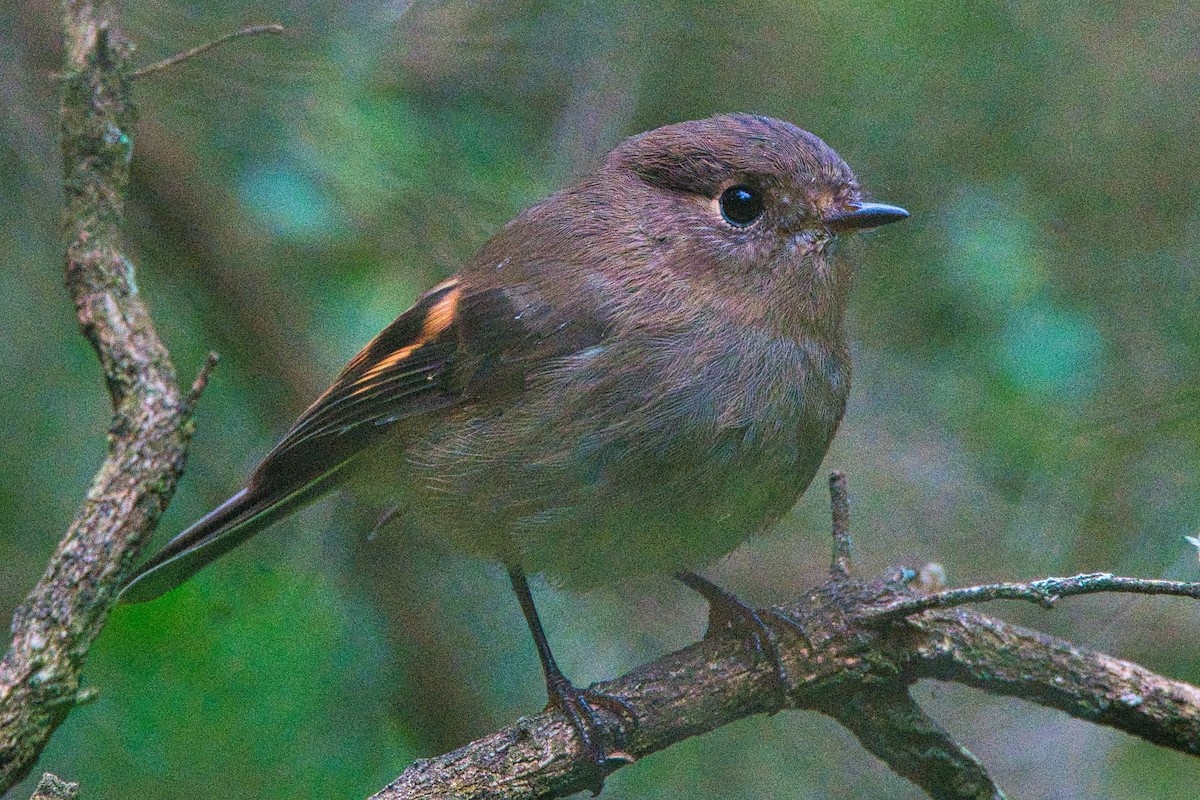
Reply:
x=969, y=648
x=841, y=655
x=55, y=626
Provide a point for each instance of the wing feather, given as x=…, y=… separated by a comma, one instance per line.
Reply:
x=452, y=346
x=401, y=372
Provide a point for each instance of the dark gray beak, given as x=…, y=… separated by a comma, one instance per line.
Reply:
x=864, y=216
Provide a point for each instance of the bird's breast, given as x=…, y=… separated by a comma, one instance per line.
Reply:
x=646, y=453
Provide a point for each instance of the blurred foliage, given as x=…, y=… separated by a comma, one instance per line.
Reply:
x=1027, y=350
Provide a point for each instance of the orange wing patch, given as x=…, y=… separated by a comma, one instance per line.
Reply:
x=437, y=320
x=441, y=315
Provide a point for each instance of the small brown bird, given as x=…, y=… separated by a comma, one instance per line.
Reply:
x=632, y=377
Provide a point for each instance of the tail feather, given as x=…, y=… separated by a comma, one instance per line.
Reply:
x=225, y=527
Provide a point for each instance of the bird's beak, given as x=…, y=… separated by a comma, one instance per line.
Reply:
x=863, y=216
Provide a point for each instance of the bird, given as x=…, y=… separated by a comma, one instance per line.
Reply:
x=631, y=377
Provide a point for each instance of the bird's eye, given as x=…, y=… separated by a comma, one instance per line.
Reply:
x=741, y=205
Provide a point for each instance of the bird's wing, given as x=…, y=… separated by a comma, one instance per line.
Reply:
x=453, y=346
x=402, y=372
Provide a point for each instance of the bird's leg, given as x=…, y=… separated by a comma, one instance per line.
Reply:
x=579, y=705
x=726, y=610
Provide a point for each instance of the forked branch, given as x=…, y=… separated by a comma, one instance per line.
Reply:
x=855, y=661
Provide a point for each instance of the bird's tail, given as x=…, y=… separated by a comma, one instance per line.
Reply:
x=216, y=533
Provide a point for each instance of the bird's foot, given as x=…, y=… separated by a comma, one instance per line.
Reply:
x=599, y=739
x=726, y=611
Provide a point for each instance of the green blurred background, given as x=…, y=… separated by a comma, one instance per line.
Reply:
x=1026, y=353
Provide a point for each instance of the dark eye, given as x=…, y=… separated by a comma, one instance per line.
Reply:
x=741, y=205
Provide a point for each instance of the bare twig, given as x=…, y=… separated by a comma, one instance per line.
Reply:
x=1044, y=592
x=840, y=501
x=201, y=381
x=167, y=63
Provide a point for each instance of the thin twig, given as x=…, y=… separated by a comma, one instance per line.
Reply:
x=840, y=502
x=198, y=385
x=167, y=63
x=1043, y=592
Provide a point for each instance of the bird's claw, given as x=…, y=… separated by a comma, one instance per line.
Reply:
x=582, y=709
x=726, y=611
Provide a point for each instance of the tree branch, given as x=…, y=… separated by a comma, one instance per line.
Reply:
x=1044, y=592
x=52, y=787
x=147, y=442
x=843, y=662
x=179, y=58
x=890, y=724
x=846, y=665
x=969, y=648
